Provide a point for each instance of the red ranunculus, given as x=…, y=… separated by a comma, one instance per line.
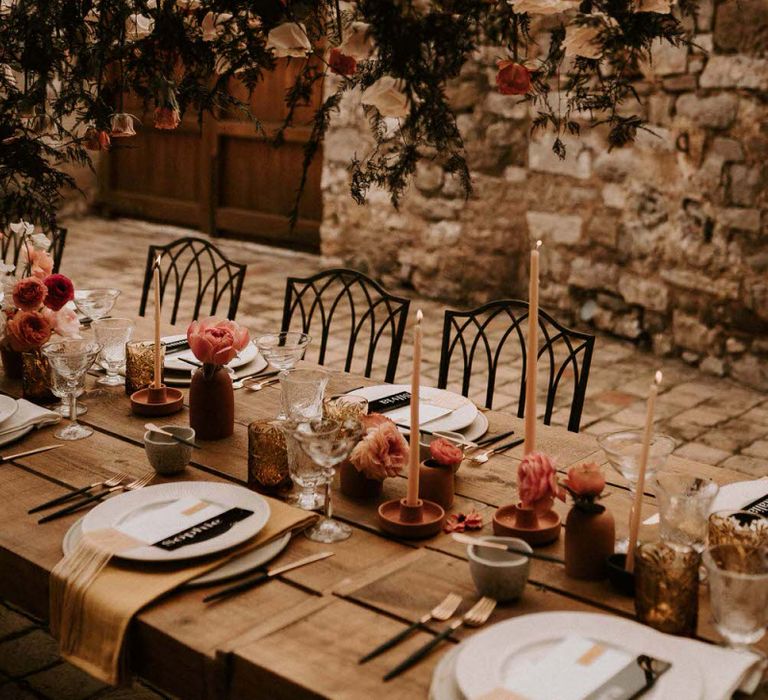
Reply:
x=28, y=330
x=29, y=294
x=445, y=452
x=342, y=64
x=60, y=291
x=513, y=78
x=167, y=118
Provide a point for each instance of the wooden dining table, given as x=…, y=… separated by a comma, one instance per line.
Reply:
x=301, y=634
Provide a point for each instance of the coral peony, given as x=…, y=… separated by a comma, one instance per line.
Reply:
x=60, y=291
x=381, y=453
x=537, y=482
x=64, y=321
x=445, y=452
x=341, y=64
x=39, y=262
x=28, y=330
x=29, y=294
x=216, y=342
x=167, y=117
x=585, y=480
x=513, y=78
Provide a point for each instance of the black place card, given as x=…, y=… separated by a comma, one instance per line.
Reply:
x=758, y=507
x=207, y=530
x=389, y=403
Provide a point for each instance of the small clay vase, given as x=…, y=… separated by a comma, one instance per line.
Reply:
x=589, y=540
x=356, y=485
x=12, y=363
x=436, y=483
x=211, y=403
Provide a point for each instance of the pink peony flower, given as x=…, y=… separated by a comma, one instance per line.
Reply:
x=381, y=453
x=60, y=291
x=445, y=452
x=64, y=321
x=28, y=330
x=537, y=482
x=585, y=480
x=29, y=294
x=216, y=342
x=39, y=261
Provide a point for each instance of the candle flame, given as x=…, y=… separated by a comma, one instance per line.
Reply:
x=538, y=244
x=419, y=316
x=157, y=260
x=658, y=377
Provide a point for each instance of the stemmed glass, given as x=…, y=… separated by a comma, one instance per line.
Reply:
x=60, y=390
x=112, y=334
x=282, y=351
x=329, y=442
x=71, y=359
x=96, y=303
x=623, y=451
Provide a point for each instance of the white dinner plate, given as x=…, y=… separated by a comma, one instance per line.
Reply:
x=491, y=654
x=234, y=567
x=8, y=406
x=7, y=438
x=131, y=504
x=249, y=354
x=460, y=418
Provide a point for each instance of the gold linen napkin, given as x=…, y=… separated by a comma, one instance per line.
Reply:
x=112, y=592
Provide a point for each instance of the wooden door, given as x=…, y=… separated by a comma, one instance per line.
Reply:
x=222, y=176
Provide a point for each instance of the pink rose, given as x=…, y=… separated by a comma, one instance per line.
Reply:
x=381, y=453
x=537, y=482
x=216, y=342
x=64, y=321
x=60, y=291
x=444, y=452
x=28, y=330
x=585, y=480
x=40, y=262
x=29, y=294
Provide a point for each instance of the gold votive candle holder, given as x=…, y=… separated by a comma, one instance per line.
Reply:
x=140, y=364
x=667, y=588
x=738, y=527
x=36, y=377
x=267, y=458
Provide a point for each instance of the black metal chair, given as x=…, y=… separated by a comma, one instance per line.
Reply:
x=201, y=265
x=481, y=335
x=353, y=301
x=12, y=244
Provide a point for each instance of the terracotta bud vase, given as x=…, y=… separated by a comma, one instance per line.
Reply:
x=12, y=363
x=589, y=541
x=436, y=483
x=356, y=485
x=211, y=403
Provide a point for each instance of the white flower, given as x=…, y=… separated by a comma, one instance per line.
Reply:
x=40, y=241
x=22, y=228
x=543, y=7
x=138, y=27
x=64, y=321
x=581, y=40
x=213, y=25
x=6, y=6
x=6, y=269
x=289, y=39
x=386, y=95
x=662, y=7
x=358, y=41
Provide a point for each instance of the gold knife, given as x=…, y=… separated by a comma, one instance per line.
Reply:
x=264, y=576
x=8, y=458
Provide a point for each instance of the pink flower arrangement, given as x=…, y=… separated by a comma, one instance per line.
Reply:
x=215, y=342
x=445, y=452
x=537, y=483
x=383, y=450
x=27, y=330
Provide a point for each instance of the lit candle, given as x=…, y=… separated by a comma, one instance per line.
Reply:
x=413, y=457
x=532, y=352
x=637, y=506
x=156, y=275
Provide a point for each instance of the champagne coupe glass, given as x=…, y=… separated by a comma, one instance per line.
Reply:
x=282, y=351
x=328, y=442
x=60, y=390
x=96, y=303
x=623, y=451
x=71, y=359
x=112, y=334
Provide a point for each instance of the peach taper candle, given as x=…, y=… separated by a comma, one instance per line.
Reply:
x=637, y=506
x=156, y=280
x=412, y=497
x=532, y=352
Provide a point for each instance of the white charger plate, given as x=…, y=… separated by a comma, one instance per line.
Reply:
x=133, y=503
x=489, y=655
x=8, y=407
x=234, y=567
x=250, y=353
x=455, y=421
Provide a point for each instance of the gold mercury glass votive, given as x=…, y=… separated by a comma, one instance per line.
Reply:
x=267, y=458
x=667, y=588
x=738, y=527
x=140, y=364
x=36, y=377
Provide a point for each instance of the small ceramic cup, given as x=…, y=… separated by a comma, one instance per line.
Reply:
x=166, y=455
x=498, y=574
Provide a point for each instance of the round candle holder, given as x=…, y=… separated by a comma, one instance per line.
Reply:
x=157, y=401
x=535, y=529
x=412, y=522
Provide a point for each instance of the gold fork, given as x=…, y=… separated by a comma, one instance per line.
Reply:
x=107, y=483
x=441, y=612
x=476, y=616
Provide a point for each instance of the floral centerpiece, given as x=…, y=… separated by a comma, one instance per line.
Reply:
x=211, y=396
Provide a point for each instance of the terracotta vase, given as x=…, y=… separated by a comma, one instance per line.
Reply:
x=356, y=485
x=211, y=404
x=436, y=483
x=537, y=529
x=589, y=541
x=12, y=364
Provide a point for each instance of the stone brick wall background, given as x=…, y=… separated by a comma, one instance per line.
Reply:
x=664, y=242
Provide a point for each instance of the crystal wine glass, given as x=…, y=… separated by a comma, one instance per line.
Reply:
x=112, y=334
x=282, y=351
x=623, y=451
x=96, y=303
x=328, y=442
x=71, y=359
x=59, y=389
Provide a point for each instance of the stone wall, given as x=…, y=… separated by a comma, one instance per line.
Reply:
x=664, y=242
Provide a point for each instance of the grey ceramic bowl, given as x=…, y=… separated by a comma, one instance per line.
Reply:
x=497, y=574
x=166, y=455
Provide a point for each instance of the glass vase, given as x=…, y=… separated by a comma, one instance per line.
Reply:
x=36, y=377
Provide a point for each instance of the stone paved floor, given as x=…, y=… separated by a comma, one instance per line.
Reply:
x=714, y=420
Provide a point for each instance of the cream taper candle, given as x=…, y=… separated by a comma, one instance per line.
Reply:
x=156, y=280
x=412, y=497
x=532, y=352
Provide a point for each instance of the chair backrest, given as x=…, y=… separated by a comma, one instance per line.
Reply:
x=491, y=339
x=200, y=269
x=344, y=307
x=12, y=244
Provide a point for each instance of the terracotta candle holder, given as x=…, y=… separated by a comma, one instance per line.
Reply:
x=536, y=529
x=157, y=401
x=412, y=522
